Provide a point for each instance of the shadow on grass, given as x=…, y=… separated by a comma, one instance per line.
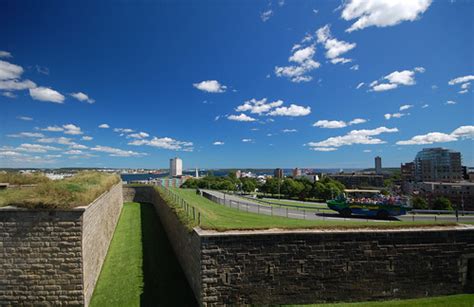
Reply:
x=164, y=282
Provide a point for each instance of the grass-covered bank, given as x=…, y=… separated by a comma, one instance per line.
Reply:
x=79, y=190
x=221, y=218
x=140, y=268
x=461, y=300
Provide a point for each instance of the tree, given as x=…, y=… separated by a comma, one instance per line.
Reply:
x=419, y=203
x=442, y=203
x=248, y=186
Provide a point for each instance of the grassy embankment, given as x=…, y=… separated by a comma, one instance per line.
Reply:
x=79, y=190
x=218, y=217
x=140, y=268
x=461, y=300
x=297, y=205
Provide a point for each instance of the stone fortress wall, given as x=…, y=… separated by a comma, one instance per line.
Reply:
x=54, y=257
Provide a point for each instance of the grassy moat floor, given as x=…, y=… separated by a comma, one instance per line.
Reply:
x=140, y=268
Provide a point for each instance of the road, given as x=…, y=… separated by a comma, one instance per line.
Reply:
x=246, y=204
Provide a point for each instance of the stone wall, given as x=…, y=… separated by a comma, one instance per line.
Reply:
x=289, y=267
x=99, y=221
x=46, y=256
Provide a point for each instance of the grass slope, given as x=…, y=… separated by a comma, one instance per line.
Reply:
x=461, y=300
x=218, y=217
x=140, y=268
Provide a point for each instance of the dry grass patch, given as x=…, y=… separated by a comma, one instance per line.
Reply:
x=79, y=190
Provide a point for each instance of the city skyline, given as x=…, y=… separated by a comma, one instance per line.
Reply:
x=251, y=85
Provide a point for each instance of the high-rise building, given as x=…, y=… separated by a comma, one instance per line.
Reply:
x=278, y=173
x=378, y=165
x=297, y=173
x=176, y=167
x=438, y=165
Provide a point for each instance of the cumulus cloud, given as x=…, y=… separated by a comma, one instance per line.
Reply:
x=87, y=138
x=450, y=102
x=165, y=143
x=210, y=86
x=53, y=129
x=117, y=152
x=462, y=79
x=365, y=136
x=334, y=124
x=123, y=130
x=354, y=67
x=15, y=85
x=72, y=129
x=104, y=126
x=82, y=97
x=360, y=85
x=323, y=149
x=289, y=130
x=382, y=13
x=241, y=118
x=463, y=132
x=334, y=48
x=46, y=94
x=303, y=58
x=9, y=94
x=395, y=79
x=25, y=118
x=394, y=115
x=247, y=140
x=293, y=110
x=10, y=71
x=139, y=135
x=5, y=54
x=26, y=135
x=258, y=106
x=60, y=140
x=37, y=148
x=218, y=143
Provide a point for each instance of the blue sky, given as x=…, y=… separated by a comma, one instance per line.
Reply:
x=234, y=83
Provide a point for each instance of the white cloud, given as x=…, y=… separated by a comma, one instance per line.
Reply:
x=334, y=48
x=104, y=126
x=217, y=143
x=210, y=86
x=425, y=106
x=60, y=140
x=364, y=136
x=10, y=71
x=73, y=152
x=334, y=124
x=35, y=148
x=87, y=138
x=303, y=57
x=405, y=107
x=354, y=67
x=465, y=88
x=26, y=135
x=463, y=79
x=367, y=150
x=292, y=110
x=247, y=140
x=382, y=13
x=72, y=129
x=78, y=146
x=289, y=130
x=241, y=118
x=395, y=79
x=8, y=95
x=360, y=85
x=116, y=152
x=123, y=130
x=330, y=124
x=463, y=132
x=5, y=54
x=25, y=118
x=16, y=85
x=46, y=94
x=450, y=102
x=139, y=135
x=323, y=149
x=394, y=115
x=258, y=106
x=82, y=97
x=53, y=129
x=165, y=143
x=266, y=15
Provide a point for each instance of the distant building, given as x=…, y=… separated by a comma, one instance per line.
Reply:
x=358, y=181
x=297, y=173
x=176, y=167
x=407, y=172
x=197, y=173
x=278, y=173
x=438, y=165
x=238, y=173
x=378, y=165
x=460, y=194
x=313, y=177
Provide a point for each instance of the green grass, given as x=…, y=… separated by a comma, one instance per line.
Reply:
x=140, y=268
x=308, y=206
x=218, y=217
x=461, y=300
x=79, y=190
